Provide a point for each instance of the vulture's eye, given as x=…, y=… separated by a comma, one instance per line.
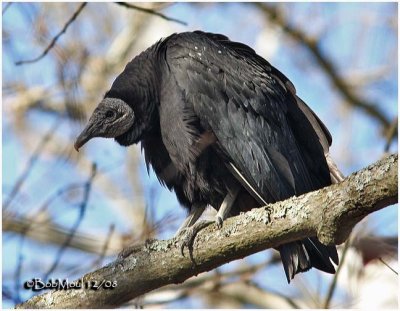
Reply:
x=110, y=114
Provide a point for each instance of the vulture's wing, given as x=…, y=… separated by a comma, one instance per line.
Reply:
x=252, y=110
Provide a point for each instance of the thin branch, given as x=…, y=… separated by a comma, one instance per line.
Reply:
x=46, y=231
x=18, y=278
x=332, y=286
x=220, y=283
x=391, y=133
x=53, y=42
x=329, y=213
x=31, y=163
x=105, y=246
x=150, y=11
x=74, y=228
x=101, y=255
x=251, y=293
x=387, y=265
x=8, y=294
x=6, y=7
x=325, y=63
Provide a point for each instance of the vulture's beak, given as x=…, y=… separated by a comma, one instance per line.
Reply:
x=87, y=134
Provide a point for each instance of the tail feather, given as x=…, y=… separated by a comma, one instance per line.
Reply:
x=321, y=254
x=301, y=256
x=295, y=259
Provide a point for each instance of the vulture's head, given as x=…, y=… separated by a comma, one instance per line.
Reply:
x=112, y=118
x=128, y=111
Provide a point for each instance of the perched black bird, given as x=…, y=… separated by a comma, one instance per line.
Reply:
x=222, y=127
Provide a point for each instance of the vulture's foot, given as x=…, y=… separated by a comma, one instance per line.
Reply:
x=219, y=221
x=190, y=234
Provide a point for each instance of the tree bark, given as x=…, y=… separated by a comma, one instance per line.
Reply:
x=329, y=213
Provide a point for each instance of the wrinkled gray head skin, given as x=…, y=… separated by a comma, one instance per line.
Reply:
x=112, y=118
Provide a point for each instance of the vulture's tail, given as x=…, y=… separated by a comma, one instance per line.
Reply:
x=301, y=256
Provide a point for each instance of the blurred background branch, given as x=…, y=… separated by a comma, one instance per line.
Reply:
x=150, y=11
x=54, y=40
x=312, y=44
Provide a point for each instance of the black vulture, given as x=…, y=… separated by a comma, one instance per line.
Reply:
x=222, y=127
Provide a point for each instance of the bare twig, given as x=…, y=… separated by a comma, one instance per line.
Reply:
x=53, y=42
x=6, y=7
x=48, y=232
x=101, y=254
x=325, y=63
x=43, y=230
x=332, y=286
x=7, y=293
x=59, y=193
x=207, y=277
x=391, y=133
x=386, y=264
x=250, y=293
x=82, y=210
x=18, y=270
x=31, y=163
x=150, y=11
x=105, y=246
x=158, y=263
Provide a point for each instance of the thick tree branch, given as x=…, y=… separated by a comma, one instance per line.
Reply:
x=329, y=213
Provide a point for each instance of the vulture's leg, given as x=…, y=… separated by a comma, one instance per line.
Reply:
x=194, y=229
x=336, y=174
x=191, y=227
x=194, y=214
x=226, y=206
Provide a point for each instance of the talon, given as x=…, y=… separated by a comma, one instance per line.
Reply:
x=190, y=235
x=219, y=222
x=186, y=243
